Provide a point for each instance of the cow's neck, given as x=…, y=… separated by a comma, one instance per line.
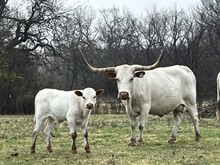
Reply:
x=127, y=104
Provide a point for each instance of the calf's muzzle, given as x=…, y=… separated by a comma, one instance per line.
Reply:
x=89, y=106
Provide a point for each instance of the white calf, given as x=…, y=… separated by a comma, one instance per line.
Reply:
x=73, y=106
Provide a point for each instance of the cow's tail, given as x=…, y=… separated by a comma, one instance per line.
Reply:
x=218, y=99
x=34, y=118
x=218, y=86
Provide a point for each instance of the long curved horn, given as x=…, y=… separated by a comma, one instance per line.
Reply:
x=107, y=69
x=156, y=64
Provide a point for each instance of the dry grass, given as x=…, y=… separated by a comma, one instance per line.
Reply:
x=108, y=137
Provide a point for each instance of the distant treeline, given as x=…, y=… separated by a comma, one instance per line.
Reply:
x=39, y=47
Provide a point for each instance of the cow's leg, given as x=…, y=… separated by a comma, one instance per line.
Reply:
x=37, y=128
x=47, y=133
x=178, y=116
x=85, y=140
x=143, y=116
x=194, y=116
x=73, y=133
x=133, y=122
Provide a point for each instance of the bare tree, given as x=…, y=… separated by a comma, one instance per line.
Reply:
x=34, y=28
x=154, y=33
x=2, y=7
x=31, y=30
x=75, y=31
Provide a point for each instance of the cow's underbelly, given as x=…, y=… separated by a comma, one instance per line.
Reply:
x=162, y=107
x=159, y=112
x=58, y=118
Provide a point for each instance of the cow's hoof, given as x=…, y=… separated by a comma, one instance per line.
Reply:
x=74, y=151
x=87, y=148
x=172, y=140
x=140, y=144
x=132, y=144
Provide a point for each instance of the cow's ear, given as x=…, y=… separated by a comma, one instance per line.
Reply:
x=99, y=92
x=78, y=93
x=111, y=75
x=139, y=74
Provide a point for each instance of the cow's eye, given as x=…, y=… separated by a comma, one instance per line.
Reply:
x=94, y=97
x=83, y=97
x=131, y=79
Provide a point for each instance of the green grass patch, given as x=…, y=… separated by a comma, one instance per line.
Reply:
x=109, y=136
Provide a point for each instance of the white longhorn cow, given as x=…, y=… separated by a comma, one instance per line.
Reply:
x=218, y=97
x=154, y=91
x=74, y=106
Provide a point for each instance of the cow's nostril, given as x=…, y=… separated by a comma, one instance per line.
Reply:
x=89, y=105
x=124, y=95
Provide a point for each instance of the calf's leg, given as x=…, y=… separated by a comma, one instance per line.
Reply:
x=73, y=147
x=37, y=128
x=86, y=142
x=73, y=134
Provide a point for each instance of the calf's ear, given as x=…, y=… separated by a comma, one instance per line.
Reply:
x=78, y=93
x=99, y=92
x=111, y=75
x=139, y=74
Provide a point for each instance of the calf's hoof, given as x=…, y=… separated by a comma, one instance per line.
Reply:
x=33, y=151
x=49, y=149
x=197, y=138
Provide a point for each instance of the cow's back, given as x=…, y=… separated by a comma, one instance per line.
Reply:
x=176, y=71
x=176, y=75
x=54, y=103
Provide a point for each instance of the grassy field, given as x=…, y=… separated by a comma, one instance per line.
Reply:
x=109, y=136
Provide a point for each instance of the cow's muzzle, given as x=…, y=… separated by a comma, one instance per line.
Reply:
x=89, y=106
x=124, y=95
